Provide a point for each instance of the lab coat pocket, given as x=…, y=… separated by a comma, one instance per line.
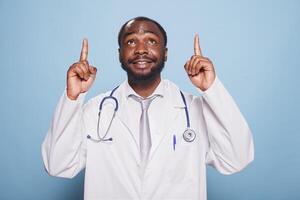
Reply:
x=183, y=157
x=182, y=167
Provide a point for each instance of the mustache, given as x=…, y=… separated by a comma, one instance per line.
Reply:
x=143, y=58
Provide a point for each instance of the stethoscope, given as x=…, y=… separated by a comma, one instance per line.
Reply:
x=189, y=134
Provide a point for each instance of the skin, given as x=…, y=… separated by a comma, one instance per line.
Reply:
x=200, y=69
x=141, y=51
x=80, y=75
x=142, y=54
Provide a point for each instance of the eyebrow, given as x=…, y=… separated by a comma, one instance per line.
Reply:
x=145, y=31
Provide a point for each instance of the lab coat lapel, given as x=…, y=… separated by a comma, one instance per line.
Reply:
x=171, y=108
x=124, y=116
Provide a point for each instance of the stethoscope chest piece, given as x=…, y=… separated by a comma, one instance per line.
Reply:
x=189, y=135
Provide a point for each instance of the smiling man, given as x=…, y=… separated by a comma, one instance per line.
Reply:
x=143, y=64
x=146, y=139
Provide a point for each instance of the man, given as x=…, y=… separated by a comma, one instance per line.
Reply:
x=157, y=144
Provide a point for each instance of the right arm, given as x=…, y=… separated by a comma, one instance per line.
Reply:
x=64, y=148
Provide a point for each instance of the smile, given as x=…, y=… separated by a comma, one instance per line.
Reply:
x=142, y=61
x=141, y=64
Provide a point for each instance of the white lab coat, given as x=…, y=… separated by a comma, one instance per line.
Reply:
x=223, y=140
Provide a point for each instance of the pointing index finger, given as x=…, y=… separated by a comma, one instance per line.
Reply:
x=197, y=49
x=84, y=50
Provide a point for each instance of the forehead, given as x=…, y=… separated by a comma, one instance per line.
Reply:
x=141, y=27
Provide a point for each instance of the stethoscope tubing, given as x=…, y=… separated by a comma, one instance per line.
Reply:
x=103, y=139
x=186, y=110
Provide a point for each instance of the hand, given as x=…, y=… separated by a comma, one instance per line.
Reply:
x=81, y=75
x=200, y=69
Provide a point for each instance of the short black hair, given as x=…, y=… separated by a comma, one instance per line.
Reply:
x=141, y=18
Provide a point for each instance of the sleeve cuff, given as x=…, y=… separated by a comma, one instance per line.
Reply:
x=212, y=88
x=79, y=100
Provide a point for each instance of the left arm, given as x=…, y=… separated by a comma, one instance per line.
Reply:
x=230, y=143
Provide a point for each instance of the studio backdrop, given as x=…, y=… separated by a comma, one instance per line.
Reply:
x=255, y=48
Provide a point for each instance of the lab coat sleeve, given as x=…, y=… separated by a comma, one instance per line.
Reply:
x=230, y=142
x=63, y=149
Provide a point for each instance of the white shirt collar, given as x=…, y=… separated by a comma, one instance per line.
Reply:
x=159, y=90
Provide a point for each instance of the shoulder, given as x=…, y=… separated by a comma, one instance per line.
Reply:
x=95, y=101
x=175, y=90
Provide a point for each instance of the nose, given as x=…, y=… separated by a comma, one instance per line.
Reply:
x=141, y=49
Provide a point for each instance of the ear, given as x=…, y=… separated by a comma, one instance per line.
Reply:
x=166, y=54
x=119, y=54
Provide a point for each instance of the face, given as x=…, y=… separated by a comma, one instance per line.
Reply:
x=142, y=52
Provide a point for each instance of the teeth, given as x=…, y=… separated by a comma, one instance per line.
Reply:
x=141, y=63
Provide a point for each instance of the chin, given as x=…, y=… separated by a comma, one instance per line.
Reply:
x=141, y=77
x=144, y=76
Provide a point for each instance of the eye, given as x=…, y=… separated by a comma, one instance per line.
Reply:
x=130, y=42
x=152, y=42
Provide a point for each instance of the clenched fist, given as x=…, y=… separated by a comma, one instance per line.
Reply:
x=81, y=75
x=200, y=69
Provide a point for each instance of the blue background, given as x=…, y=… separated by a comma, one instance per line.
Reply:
x=254, y=46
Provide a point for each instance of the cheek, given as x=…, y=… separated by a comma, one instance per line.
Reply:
x=124, y=53
x=155, y=51
x=128, y=51
x=159, y=53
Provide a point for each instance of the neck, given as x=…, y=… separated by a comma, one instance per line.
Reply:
x=146, y=87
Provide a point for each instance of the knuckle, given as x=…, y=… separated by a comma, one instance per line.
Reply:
x=85, y=62
x=187, y=63
x=73, y=65
x=77, y=68
x=83, y=68
x=77, y=65
x=198, y=57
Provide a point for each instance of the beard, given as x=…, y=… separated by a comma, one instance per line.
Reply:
x=144, y=78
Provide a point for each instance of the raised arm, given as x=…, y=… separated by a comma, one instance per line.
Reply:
x=64, y=148
x=229, y=139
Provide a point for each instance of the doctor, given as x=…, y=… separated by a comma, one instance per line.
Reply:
x=150, y=140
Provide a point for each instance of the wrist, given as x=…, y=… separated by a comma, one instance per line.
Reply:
x=207, y=84
x=71, y=96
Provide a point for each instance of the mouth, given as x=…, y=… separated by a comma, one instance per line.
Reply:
x=142, y=63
